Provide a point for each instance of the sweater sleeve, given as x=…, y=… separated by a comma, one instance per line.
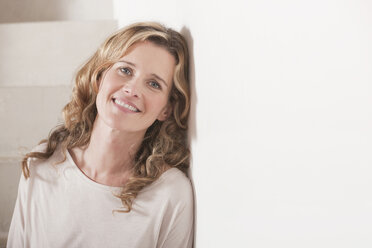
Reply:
x=17, y=225
x=181, y=232
x=17, y=231
x=178, y=224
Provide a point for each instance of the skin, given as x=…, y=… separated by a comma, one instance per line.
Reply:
x=142, y=79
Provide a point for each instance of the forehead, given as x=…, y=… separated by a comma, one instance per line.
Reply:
x=148, y=57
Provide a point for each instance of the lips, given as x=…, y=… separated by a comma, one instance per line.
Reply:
x=126, y=105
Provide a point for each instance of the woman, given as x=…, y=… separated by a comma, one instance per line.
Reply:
x=113, y=174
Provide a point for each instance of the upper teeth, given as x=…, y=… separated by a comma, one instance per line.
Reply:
x=123, y=104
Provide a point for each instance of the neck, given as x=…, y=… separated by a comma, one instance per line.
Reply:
x=109, y=156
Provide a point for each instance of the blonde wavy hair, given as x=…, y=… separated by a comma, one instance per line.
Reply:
x=164, y=144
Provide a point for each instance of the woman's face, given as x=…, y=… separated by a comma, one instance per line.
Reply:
x=134, y=92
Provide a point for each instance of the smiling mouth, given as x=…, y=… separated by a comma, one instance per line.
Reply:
x=125, y=105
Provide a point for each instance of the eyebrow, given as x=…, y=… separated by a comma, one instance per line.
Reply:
x=152, y=74
x=127, y=62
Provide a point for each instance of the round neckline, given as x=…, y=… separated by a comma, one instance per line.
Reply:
x=86, y=178
x=108, y=187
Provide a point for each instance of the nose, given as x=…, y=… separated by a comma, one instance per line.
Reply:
x=131, y=88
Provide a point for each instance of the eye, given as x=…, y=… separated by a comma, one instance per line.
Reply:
x=125, y=70
x=154, y=85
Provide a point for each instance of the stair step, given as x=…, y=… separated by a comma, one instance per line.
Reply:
x=30, y=113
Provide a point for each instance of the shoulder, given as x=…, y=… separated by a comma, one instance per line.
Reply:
x=41, y=166
x=40, y=147
x=41, y=171
x=175, y=176
x=176, y=186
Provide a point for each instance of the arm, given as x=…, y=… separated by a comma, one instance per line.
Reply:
x=181, y=231
x=177, y=228
x=17, y=226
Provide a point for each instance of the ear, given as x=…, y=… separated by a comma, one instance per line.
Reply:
x=165, y=113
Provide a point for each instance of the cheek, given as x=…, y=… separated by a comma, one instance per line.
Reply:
x=155, y=104
x=102, y=98
x=106, y=88
x=99, y=103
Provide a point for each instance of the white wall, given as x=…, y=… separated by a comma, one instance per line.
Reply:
x=281, y=122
